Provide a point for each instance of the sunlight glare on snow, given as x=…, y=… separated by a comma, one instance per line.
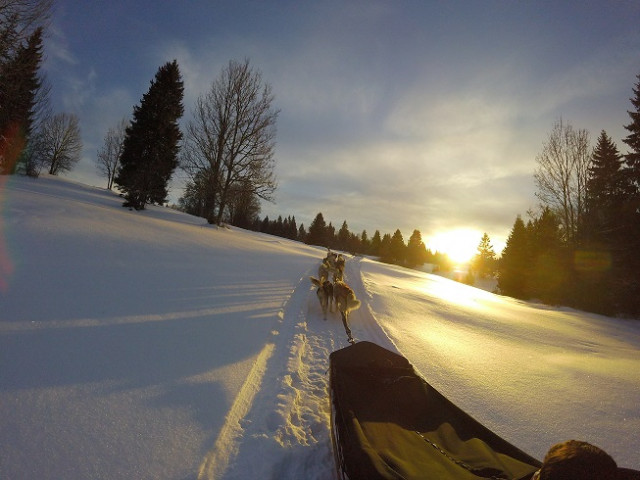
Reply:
x=456, y=292
x=460, y=245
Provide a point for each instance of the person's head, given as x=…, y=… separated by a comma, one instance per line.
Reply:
x=576, y=460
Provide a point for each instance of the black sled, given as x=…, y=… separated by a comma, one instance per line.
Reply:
x=388, y=423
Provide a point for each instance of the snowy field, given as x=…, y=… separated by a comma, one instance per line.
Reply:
x=150, y=345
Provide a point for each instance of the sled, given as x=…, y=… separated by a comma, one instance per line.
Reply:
x=388, y=423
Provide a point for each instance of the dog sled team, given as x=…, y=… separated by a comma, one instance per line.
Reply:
x=333, y=291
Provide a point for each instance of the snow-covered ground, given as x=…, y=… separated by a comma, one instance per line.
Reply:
x=150, y=345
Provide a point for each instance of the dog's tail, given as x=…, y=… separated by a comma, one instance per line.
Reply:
x=352, y=303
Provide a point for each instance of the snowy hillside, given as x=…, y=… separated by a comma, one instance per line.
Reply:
x=151, y=345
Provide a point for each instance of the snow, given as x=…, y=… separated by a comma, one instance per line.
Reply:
x=151, y=345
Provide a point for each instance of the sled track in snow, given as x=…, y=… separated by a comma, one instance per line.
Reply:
x=226, y=447
x=280, y=429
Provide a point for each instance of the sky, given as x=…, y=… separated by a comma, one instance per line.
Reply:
x=393, y=115
x=150, y=345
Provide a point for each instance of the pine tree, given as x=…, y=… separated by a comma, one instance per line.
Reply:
x=354, y=244
x=343, y=237
x=632, y=158
x=385, y=248
x=265, y=225
x=628, y=286
x=605, y=194
x=150, y=151
x=397, y=248
x=376, y=242
x=604, y=173
x=302, y=234
x=330, y=234
x=416, y=250
x=365, y=243
x=515, y=263
x=317, y=232
x=20, y=84
x=484, y=263
x=548, y=271
x=292, y=233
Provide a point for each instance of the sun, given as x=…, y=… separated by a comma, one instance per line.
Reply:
x=460, y=245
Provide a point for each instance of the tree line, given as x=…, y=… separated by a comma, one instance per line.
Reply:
x=581, y=248
x=389, y=248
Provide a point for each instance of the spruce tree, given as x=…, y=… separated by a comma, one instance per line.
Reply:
x=484, y=262
x=632, y=158
x=375, y=245
x=416, y=250
x=628, y=287
x=548, y=270
x=515, y=263
x=397, y=248
x=330, y=234
x=302, y=234
x=365, y=243
x=20, y=84
x=605, y=192
x=385, y=248
x=317, y=232
x=343, y=237
x=604, y=181
x=150, y=150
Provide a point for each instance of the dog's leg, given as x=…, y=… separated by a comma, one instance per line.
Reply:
x=345, y=322
x=323, y=302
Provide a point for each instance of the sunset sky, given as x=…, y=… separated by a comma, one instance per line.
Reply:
x=393, y=114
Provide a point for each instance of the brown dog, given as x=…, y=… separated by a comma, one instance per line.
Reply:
x=338, y=274
x=325, y=294
x=346, y=301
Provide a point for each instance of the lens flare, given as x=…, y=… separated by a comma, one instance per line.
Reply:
x=6, y=266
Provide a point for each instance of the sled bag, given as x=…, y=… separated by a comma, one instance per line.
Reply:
x=388, y=423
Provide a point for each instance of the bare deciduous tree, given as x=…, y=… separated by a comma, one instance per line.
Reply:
x=109, y=155
x=60, y=143
x=562, y=173
x=231, y=140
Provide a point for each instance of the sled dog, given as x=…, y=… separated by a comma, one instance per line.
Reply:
x=330, y=259
x=325, y=294
x=323, y=271
x=346, y=301
x=338, y=274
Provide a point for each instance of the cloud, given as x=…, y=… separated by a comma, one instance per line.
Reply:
x=419, y=155
x=57, y=47
x=426, y=117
